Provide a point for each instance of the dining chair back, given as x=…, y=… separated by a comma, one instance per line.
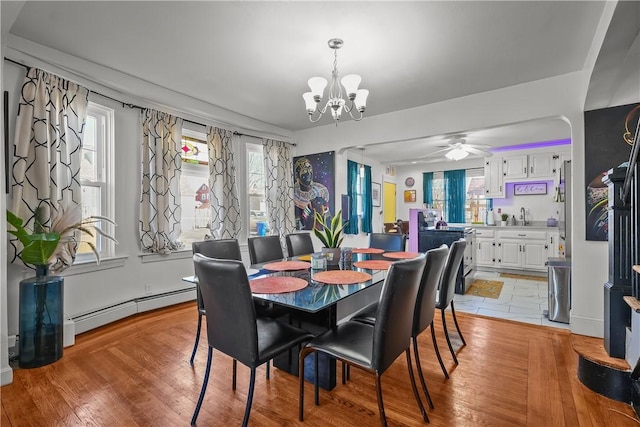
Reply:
x=446, y=290
x=375, y=347
x=232, y=326
x=264, y=248
x=299, y=244
x=390, y=242
x=222, y=249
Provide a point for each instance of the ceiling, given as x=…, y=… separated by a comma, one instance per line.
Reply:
x=254, y=58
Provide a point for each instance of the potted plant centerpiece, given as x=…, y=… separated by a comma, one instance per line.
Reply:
x=41, y=312
x=330, y=234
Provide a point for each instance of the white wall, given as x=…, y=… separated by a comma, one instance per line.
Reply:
x=558, y=97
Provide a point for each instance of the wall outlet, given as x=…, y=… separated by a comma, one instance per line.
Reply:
x=147, y=289
x=527, y=212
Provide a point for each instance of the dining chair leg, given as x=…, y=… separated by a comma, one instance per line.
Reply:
x=247, y=410
x=344, y=373
x=435, y=346
x=455, y=320
x=195, y=344
x=383, y=418
x=303, y=353
x=268, y=369
x=235, y=370
x=446, y=335
x=205, y=381
x=316, y=380
x=416, y=355
x=415, y=388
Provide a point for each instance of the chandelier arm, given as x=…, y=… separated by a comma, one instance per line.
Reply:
x=357, y=119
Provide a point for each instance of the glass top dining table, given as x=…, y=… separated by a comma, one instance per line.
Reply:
x=316, y=296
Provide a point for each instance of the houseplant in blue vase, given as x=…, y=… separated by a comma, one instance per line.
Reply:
x=41, y=311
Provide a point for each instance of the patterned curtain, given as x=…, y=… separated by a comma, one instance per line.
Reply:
x=160, y=212
x=427, y=188
x=455, y=193
x=47, y=157
x=278, y=167
x=225, y=205
x=352, y=192
x=367, y=201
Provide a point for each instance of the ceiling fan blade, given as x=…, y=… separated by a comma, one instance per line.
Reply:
x=473, y=150
x=479, y=146
x=434, y=152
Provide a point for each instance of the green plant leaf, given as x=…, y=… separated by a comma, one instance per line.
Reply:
x=40, y=249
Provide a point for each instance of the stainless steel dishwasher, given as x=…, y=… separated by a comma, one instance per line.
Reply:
x=559, y=282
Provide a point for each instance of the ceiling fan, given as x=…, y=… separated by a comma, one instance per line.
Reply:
x=458, y=148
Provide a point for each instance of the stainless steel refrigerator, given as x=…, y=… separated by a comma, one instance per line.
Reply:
x=559, y=274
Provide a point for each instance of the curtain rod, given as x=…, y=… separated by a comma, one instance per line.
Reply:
x=133, y=106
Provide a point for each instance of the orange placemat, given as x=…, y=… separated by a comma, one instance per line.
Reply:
x=304, y=257
x=277, y=285
x=287, y=265
x=374, y=264
x=368, y=251
x=341, y=277
x=400, y=255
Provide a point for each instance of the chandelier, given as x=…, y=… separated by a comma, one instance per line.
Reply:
x=357, y=98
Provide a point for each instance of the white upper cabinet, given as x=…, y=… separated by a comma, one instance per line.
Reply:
x=514, y=167
x=493, y=179
x=541, y=165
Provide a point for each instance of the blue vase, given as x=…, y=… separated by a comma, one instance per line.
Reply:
x=41, y=319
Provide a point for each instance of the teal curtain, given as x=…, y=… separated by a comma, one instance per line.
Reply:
x=454, y=193
x=427, y=188
x=352, y=192
x=367, y=202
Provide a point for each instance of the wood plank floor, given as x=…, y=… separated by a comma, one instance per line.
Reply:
x=136, y=372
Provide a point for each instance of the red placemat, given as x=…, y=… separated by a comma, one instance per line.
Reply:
x=374, y=264
x=400, y=255
x=368, y=251
x=287, y=265
x=277, y=285
x=341, y=277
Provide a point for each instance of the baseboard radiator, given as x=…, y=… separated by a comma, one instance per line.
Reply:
x=106, y=315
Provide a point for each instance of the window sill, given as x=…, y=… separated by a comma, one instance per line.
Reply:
x=90, y=266
x=182, y=254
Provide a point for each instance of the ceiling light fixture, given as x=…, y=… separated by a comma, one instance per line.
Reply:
x=357, y=97
x=456, y=154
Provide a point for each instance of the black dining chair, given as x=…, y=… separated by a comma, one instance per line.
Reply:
x=222, y=249
x=374, y=348
x=264, y=248
x=299, y=244
x=390, y=242
x=232, y=325
x=447, y=288
x=424, y=310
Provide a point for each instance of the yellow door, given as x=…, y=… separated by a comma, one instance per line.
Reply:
x=389, y=202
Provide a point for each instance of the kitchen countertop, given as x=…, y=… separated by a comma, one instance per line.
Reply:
x=535, y=225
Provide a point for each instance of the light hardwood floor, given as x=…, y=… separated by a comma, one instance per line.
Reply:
x=136, y=373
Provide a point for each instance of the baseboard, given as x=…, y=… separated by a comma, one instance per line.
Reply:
x=6, y=376
x=587, y=326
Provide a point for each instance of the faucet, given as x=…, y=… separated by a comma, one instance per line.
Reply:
x=523, y=216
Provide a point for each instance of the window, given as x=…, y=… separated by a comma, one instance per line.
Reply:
x=256, y=188
x=194, y=187
x=475, y=201
x=96, y=178
x=475, y=206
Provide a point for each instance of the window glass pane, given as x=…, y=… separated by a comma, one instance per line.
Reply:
x=475, y=203
x=256, y=187
x=91, y=206
x=194, y=189
x=88, y=168
x=89, y=135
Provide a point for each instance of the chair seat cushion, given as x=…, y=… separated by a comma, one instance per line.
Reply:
x=367, y=314
x=351, y=341
x=275, y=338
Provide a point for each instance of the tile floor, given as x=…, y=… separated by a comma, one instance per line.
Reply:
x=520, y=300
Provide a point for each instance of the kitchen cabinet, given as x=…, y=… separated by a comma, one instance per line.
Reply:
x=514, y=167
x=522, y=249
x=524, y=166
x=485, y=248
x=493, y=178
